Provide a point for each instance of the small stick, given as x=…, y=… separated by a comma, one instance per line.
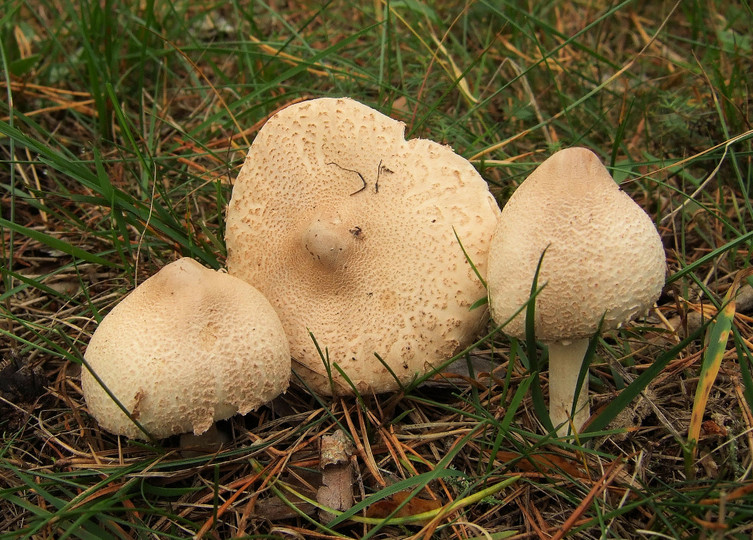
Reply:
x=353, y=171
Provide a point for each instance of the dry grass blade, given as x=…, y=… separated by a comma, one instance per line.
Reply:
x=715, y=349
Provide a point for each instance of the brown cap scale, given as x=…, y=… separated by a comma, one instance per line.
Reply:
x=604, y=258
x=347, y=228
x=187, y=347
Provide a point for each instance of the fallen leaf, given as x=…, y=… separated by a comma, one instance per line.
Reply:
x=540, y=463
x=274, y=509
x=305, y=482
x=417, y=505
x=712, y=428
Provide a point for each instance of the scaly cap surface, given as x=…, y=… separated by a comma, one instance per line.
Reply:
x=187, y=347
x=347, y=229
x=605, y=256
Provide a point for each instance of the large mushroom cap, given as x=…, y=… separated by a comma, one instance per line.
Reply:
x=347, y=229
x=604, y=256
x=187, y=347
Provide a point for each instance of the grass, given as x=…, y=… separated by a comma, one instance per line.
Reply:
x=122, y=128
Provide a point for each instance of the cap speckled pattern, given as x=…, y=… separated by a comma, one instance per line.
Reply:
x=604, y=255
x=347, y=229
x=187, y=347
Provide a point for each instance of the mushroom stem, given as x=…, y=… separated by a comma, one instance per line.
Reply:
x=565, y=361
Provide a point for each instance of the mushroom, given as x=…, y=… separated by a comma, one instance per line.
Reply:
x=349, y=231
x=187, y=347
x=604, y=264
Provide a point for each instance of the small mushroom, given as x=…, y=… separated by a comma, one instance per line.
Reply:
x=349, y=231
x=604, y=259
x=187, y=347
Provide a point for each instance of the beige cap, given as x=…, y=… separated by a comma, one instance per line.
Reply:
x=605, y=256
x=347, y=229
x=187, y=347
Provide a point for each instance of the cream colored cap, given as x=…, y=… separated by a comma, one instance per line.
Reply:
x=187, y=347
x=605, y=256
x=347, y=229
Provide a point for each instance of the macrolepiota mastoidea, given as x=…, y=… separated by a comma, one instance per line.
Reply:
x=185, y=348
x=604, y=265
x=349, y=231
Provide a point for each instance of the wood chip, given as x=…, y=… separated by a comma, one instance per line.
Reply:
x=337, y=474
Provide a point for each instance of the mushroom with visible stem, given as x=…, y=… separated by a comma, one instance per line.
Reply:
x=347, y=229
x=187, y=347
x=603, y=265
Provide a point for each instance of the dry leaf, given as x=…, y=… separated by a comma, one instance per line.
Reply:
x=711, y=428
x=540, y=463
x=417, y=505
x=275, y=509
x=305, y=482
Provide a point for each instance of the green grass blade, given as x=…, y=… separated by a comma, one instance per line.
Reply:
x=56, y=243
x=504, y=425
x=537, y=394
